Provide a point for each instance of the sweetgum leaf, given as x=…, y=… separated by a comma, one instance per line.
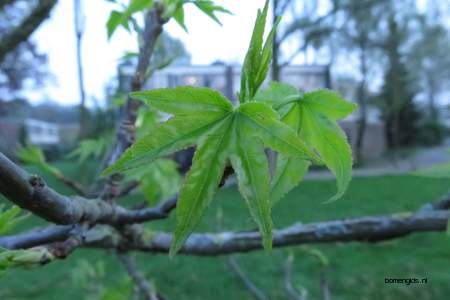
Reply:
x=178, y=16
x=258, y=57
x=166, y=138
x=273, y=133
x=278, y=95
x=115, y=19
x=223, y=133
x=210, y=9
x=329, y=103
x=250, y=163
x=201, y=181
x=290, y=170
x=330, y=141
x=185, y=99
x=314, y=116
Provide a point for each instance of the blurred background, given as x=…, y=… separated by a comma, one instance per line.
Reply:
x=63, y=84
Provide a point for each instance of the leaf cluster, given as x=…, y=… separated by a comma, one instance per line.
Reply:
x=170, y=9
x=33, y=155
x=90, y=148
x=301, y=129
x=23, y=258
x=158, y=181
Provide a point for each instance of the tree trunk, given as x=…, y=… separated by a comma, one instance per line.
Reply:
x=275, y=44
x=362, y=121
x=434, y=114
x=79, y=29
x=22, y=31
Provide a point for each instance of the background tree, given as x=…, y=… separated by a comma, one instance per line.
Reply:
x=19, y=58
x=359, y=33
x=429, y=61
x=79, y=24
x=307, y=27
x=399, y=110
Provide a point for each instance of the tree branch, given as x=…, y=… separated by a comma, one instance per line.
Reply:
x=128, y=188
x=74, y=185
x=4, y=3
x=324, y=287
x=289, y=287
x=36, y=237
x=125, y=133
x=138, y=279
x=30, y=192
x=251, y=287
x=366, y=229
x=28, y=25
x=161, y=211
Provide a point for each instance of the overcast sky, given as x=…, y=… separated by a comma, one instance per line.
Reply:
x=206, y=41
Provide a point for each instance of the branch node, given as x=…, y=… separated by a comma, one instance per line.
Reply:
x=36, y=182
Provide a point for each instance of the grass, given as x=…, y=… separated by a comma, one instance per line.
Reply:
x=356, y=271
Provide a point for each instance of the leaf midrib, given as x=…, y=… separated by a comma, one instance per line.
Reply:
x=303, y=151
x=255, y=191
x=203, y=182
x=162, y=148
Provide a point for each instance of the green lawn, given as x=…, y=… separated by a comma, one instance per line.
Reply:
x=357, y=271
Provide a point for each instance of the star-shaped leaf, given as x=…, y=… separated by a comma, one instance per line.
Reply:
x=314, y=117
x=205, y=118
x=238, y=135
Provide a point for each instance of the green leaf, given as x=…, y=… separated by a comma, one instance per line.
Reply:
x=274, y=133
x=290, y=170
x=147, y=118
x=329, y=103
x=34, y=155
x=257, y=59
x=266, y=56
x=159, y=180
x=201, y=182
x=222, y=133
x=30, y=154
x=250, y=163
x=24, y=258
x=137, y=6
x=436, y=171
x=115, y=19
x=319, y=129
x=278, y=95
x=313, y=116
x=166, y=138
x=10, y=218
x=185, y=99
x=209, y=8
x=93, y=148
x=289, y=173
x=170, y=7
x=178, y=15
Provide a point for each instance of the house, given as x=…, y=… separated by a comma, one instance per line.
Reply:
x=41, y=133
x=226, y=78
x=35, y=132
